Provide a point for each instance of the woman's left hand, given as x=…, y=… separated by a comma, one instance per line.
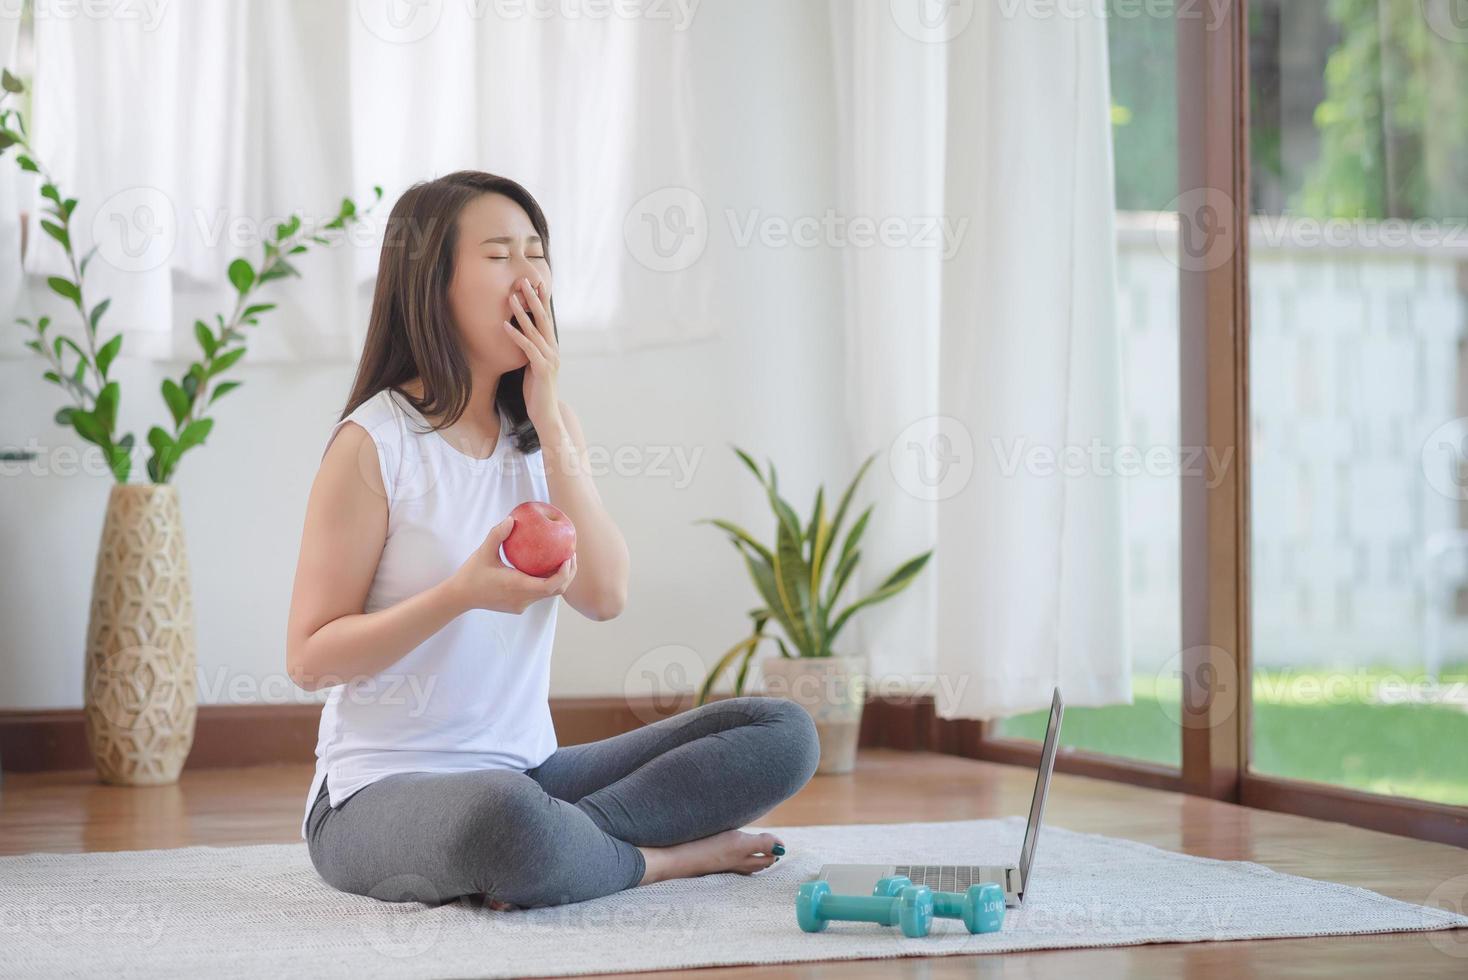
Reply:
x=538, y=341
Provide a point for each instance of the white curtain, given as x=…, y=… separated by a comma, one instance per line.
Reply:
x=973, y=142
x=13, y=185
x=970, y=359
x=188, y=138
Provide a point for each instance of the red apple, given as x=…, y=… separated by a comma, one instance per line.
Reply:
x=541, y=540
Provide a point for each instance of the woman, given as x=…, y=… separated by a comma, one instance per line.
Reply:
x=438, y=773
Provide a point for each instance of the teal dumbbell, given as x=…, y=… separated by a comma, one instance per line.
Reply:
x=911, y=908
x=980, y=907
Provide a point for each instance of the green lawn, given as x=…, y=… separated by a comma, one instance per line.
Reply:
x=1418, y=750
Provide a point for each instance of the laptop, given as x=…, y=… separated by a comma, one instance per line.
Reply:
x=860, y=879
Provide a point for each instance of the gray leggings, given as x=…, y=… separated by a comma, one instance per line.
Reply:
x=567, y=830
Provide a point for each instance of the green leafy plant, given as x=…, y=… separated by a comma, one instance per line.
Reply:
x=95, y=396
x=1393, y=125
x=801, y=578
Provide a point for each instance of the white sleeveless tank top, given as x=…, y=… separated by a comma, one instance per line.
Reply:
x=476, y=694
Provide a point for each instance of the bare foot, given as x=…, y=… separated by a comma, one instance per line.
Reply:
x=733, y=850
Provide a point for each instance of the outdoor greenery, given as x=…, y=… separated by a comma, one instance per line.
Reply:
x=1341, y=738
x=1394, y=123
x=1143, y=53
x=1391, y=128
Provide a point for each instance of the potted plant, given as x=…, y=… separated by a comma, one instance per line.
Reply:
x=800, y=580
x=139, y=695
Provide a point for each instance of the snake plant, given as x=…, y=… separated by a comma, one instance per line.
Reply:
x=801, y=577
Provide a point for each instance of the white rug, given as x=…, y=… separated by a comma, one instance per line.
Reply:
x=207, y=911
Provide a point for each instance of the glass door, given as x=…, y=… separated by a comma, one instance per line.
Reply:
x=1358, y=407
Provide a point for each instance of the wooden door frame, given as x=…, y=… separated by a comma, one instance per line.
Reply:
x=1213, y=332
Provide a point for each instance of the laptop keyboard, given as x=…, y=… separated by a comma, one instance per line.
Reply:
x=943, y=877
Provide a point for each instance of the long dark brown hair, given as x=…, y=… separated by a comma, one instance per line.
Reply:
x=411, y=333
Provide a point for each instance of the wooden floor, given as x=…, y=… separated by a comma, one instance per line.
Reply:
x=72, y=811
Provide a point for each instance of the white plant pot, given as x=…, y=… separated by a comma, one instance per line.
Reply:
x=833, y=690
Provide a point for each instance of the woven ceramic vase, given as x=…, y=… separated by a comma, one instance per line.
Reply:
x=141, y=698
x=833, y=690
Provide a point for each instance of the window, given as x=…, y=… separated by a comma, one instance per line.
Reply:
x=1322, y=305
x=1358, y=273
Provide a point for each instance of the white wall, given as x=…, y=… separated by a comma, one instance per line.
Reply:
x=770, y=381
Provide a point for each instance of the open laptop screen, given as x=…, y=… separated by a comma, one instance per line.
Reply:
x=1042, y=784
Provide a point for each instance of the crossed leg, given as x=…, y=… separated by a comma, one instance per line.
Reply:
x=658, y=802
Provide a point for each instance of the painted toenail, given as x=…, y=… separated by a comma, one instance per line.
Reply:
x=778, y=850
